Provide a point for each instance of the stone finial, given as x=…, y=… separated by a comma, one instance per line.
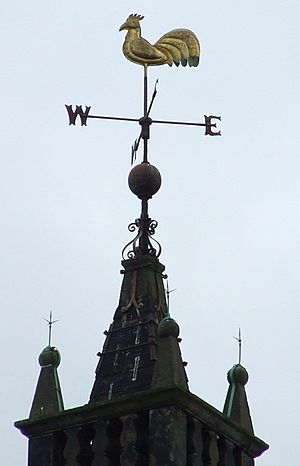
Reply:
x=48, y=398
x=236, y=405
x=169, y=370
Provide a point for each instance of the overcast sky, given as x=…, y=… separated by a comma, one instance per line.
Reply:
x=228, y=209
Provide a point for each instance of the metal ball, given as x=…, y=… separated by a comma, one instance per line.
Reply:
x=144, y=180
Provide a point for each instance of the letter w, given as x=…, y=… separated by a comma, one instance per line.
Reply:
x=78, y=112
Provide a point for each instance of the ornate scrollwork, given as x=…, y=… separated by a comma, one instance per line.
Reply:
x=142, y=243
x=152, y=227
x=134, y=225
x=152, y=250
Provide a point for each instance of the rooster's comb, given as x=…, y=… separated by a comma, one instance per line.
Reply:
x=135, y=16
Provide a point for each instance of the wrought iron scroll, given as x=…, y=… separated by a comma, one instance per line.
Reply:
x=143, y=243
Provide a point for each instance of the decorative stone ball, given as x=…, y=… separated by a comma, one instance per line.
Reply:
x=144, y=180
x=238, y=374
x=50, y=356
x=168, y=328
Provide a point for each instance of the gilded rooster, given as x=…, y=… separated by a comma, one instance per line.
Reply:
x=177, y=46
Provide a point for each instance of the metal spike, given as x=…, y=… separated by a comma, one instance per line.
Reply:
x=168, y=292
x=239, y=339
x=50, y=323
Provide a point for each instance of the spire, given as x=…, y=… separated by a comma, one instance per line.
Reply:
x=48, y=398
x=236, y=405
x=130, y=349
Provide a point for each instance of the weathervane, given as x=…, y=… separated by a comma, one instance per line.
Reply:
x=179, y=46
x=50, y=323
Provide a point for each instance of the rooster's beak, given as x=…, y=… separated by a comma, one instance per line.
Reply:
x=122, y=27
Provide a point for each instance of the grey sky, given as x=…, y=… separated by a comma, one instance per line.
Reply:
x=228, y=209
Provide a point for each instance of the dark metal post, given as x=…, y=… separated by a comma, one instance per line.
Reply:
x=144, y=225
x=145, y=128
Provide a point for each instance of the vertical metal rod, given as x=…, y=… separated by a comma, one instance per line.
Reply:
x=145, y=91
x=50, y=329
x=145, y=207
x=168, y=292
x=240, y=346
x=144, y=223
x=143, y=242
x=50, y=323
x=239, y=340
x=145, y=158
x=168, y=297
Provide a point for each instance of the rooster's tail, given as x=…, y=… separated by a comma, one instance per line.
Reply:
x=182, y=46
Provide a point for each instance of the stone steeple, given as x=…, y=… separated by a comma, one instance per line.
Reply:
x=130, y=349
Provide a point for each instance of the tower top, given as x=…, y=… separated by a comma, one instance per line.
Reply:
x=140, y=409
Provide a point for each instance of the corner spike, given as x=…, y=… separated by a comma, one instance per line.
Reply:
x=168, y=292
x=50, y=323
x=239, y=339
